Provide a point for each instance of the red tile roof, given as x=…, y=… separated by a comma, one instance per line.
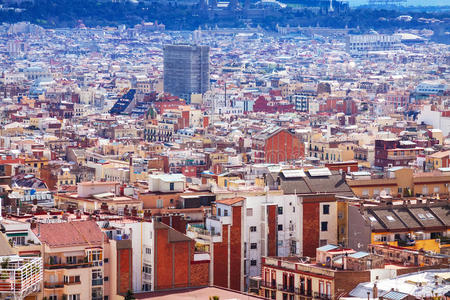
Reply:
x=231, y=201
x=68, y=234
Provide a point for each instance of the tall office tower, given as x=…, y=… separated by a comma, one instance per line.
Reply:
x=186, y=70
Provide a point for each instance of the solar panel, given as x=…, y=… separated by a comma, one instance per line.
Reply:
x=319, y=172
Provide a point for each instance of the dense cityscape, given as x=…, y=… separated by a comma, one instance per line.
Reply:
x=248, y=160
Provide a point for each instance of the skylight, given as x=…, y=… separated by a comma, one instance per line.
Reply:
x=422, y=216
x=390, y=218
x=430, y=216
x=372, y=218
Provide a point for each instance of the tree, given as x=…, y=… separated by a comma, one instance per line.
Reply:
x=129, y=295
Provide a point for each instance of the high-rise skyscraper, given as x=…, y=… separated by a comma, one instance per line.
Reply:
x=186, y=70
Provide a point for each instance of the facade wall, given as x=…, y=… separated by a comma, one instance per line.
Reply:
x=283, y=146
x=221, y=259
x=311, y=228
x=236, y=271
x=124, y=270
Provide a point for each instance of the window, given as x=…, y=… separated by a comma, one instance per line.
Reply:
x=172, y=186
x=249, y=212
x=324, y=226
x=147, y=269
x=280, y=227
x=253, y=245
x=436, y=189
x=280, y=210
x=326, y=209
x=219, y=212
x=53, y=297
x=388, y=191
x=225, y=213
x=390, y=218
x=376, y=192
x=18, y=240
x=73, y=297
x=253, y=262
x=430, y=216
x=159, y=203
x=425, y=190
x=97, y=277
x=106, y=278
x=71, y=259
x=146, y=287
x=252, y=228
x=72, y=279
x=148, y=251
x=365, y=192
x=106, y=260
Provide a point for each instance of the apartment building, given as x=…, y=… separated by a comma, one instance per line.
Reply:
x=400, y=182
x=275, y=144
x=299, y=278
x=244, y=229
x=423, y=225
x=394, y=153
x=76, y=260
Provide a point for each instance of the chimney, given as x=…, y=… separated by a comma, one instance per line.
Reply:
x=375, y=291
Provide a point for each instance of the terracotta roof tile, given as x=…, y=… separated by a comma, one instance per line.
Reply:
x=68, y=234
x=231, y=201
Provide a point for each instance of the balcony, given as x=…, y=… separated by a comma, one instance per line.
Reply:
x=53, y=285
x=147, y=276
x=268, y=285
x=53, y=266
x=20, y=276
x=286, y=288
x=300, y=291
x=401, y=157
x=98, y=281
x=322, y=296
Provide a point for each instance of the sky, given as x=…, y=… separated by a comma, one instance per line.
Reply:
x=409, y=2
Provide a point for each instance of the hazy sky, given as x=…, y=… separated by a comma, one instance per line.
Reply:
x=409, y=2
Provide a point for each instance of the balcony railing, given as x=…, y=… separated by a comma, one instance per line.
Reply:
x=300, y=291
x=147, y=276
x=20, y=276
x=69, y=266
x=285, y=288
x=98, y=281
x=53, y=285
x=268, y=285
x=322, y=296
